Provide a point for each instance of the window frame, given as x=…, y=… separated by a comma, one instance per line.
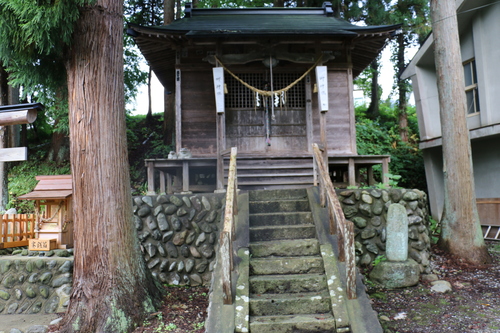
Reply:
x=475, y=108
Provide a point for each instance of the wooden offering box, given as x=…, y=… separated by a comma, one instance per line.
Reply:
x=54, y=214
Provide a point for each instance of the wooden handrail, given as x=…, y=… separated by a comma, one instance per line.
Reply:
x=227, y=234
x=338, y=224
x=16, y=229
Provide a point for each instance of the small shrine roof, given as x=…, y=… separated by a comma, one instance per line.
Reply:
x=51, y=187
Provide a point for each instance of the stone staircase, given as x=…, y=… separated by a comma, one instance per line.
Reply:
x=288, y=289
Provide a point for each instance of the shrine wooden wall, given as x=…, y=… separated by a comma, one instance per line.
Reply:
x=290, y=131
x=199, y=131
x=340, y=127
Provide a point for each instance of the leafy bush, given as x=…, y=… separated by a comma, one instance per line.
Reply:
x=381, y=137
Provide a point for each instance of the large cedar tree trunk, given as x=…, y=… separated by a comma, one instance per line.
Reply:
x=461, y=231
x=112, y=289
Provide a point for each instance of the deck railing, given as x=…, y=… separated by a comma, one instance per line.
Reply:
x=16, y=229
x=227, y=234
x=338, y=224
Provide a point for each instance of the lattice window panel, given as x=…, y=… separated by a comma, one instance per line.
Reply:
x=240, y=97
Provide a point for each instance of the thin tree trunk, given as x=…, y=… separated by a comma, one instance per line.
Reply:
x=112, y=289
x=169, y=96
x=59, y=146
x=168, y=11
x=373, y=109
x=4, y=100
x=4, y=170
x=403, y=90
x=149, y=116
x=178, y=11
x=461, y=230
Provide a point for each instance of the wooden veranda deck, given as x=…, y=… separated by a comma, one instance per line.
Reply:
x=199, y=174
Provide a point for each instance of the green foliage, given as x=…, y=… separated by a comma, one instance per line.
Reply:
x=143, y=12
x=198, y=326
x=145, y=140
x=380, y=136
x=434, y=230
x=34, y=39
x=393, y=179
x=22, y=180
x=378, y=260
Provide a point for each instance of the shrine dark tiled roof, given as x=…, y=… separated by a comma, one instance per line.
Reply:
x=264, y=21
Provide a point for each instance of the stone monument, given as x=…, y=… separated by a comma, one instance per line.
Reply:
x=398, y=271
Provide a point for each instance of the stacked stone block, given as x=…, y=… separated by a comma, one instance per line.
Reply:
x=178, y=235
x=367, y=209
x=35, y=284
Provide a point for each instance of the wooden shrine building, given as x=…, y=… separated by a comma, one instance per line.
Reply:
x=269, y=81
x=54, y=211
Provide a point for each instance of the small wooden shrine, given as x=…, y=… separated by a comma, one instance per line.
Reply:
x=269, y=81
x=54, y=213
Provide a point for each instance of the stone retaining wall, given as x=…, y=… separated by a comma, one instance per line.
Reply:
x=178, y=235
x=367, y=209
x=35, y=284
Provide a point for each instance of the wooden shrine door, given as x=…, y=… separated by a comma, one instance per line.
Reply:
x=251, y=123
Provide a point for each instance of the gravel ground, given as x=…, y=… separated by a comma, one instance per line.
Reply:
x=473, y=304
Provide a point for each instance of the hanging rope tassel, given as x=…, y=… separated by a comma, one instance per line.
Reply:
x=268, y=126
x=269, y=93
x=272, y=89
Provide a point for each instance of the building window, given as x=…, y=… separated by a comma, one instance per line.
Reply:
x=471, y=90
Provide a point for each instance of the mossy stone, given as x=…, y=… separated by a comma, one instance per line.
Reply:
x=44, y=291
x=30, y=292
x=4, y=295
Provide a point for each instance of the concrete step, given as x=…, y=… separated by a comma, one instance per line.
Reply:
x=287, y=304
x=290, y=283
x=286, y=265
x=258, y=234
x=280, y=218
x=290, y=248
x=293, y=205
x=270, y=195
x=302, y=323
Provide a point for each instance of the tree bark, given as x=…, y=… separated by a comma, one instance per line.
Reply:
x=112, y=289
x=59, y=146
x=373, y=109
x=169, y=96
x=402, y=91
x=149, y=115
x=168, y=11
x=461, y=230
x=4, y=166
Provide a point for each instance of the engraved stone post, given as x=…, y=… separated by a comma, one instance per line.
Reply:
x=397, y=233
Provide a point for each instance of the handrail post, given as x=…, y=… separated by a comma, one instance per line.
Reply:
x=350, y=261
x=228, y=232
x=344, y=229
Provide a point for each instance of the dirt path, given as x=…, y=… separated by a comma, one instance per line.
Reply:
x=24, y=321
x=473, y=304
